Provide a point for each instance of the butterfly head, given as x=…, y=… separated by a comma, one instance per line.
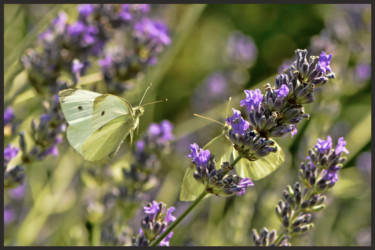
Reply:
x=138, y=111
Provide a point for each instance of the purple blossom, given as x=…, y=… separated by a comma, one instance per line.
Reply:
x=282, y=91
x=165, y=241
x=169, y=217
x=253, y=99
x=341, y=146
x=157, y=31
x=199, y=156
x=77, y=66
x=242, y=185
x=331, y=174
x=85, y=9
x=53, y=150
x=8, y=115
x=324, y=63
x=153, y=209
x=238, y=124
x=362, y=72
x=324, y=146
x=217, y=85
x=9, y=216
x=9, y=153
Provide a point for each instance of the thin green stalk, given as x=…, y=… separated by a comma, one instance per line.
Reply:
x=186, y=212
x=96, y=234
x=179, y=219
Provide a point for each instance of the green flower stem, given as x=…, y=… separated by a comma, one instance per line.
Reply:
x=186, y=212
x=96, y=234
x=179, y=219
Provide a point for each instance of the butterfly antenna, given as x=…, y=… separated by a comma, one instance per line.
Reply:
x=165, y=100
x=229, y=100
x=210, y=119
x=144, y=94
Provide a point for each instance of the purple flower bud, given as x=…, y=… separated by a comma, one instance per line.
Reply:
x=253, y=99
x=241, y=49
x=59, y=23
x=165, y=241
x=238, y=124
x=199, y=156
x=85, y=9
x=76, y=29
x=282, y=91
x=341, y=146
x=140, y=146
x=324, y=62
x=106, y=62
x=324, y=146
x=18, y=192
x=8, y=115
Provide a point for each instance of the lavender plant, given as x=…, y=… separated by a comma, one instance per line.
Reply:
x=317, y=175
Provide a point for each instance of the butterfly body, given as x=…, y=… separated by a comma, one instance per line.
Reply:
x=98, y=123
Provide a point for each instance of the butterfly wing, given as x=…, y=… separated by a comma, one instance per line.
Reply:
x=106, y=140
x=77, y=107
x=108, y=107
x=221, y=147
x=190, y=188
x=262, y=167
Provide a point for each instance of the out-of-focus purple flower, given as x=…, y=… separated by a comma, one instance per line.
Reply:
x=241, y=49
x=165, y=241
x=282, y=91
x=216, y=85
x=238, y=124
x=341, y=146
x=144, y=8
x=324, y=146
x=9, y=215
x=253, y=99
x=243, y=184
x=18, y=192
x=362, y=72
x=163, y=131
x=76, y=28
x=89, y=36
x=125, y=13
x=53, y=149
x=140, y=146
x=106, y=62
x=77, y=66
x=324, y=63
x=60, y=22
x=199, y=156
x=157, y=31
x=9, y=153
x=85, y=9
x=8, y=115
x=169, y=217
x=364, y=163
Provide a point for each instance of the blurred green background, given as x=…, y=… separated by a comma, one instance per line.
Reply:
x=52, y=212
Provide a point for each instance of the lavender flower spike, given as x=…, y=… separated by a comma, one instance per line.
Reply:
x=198, y=155
x=324, y=146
